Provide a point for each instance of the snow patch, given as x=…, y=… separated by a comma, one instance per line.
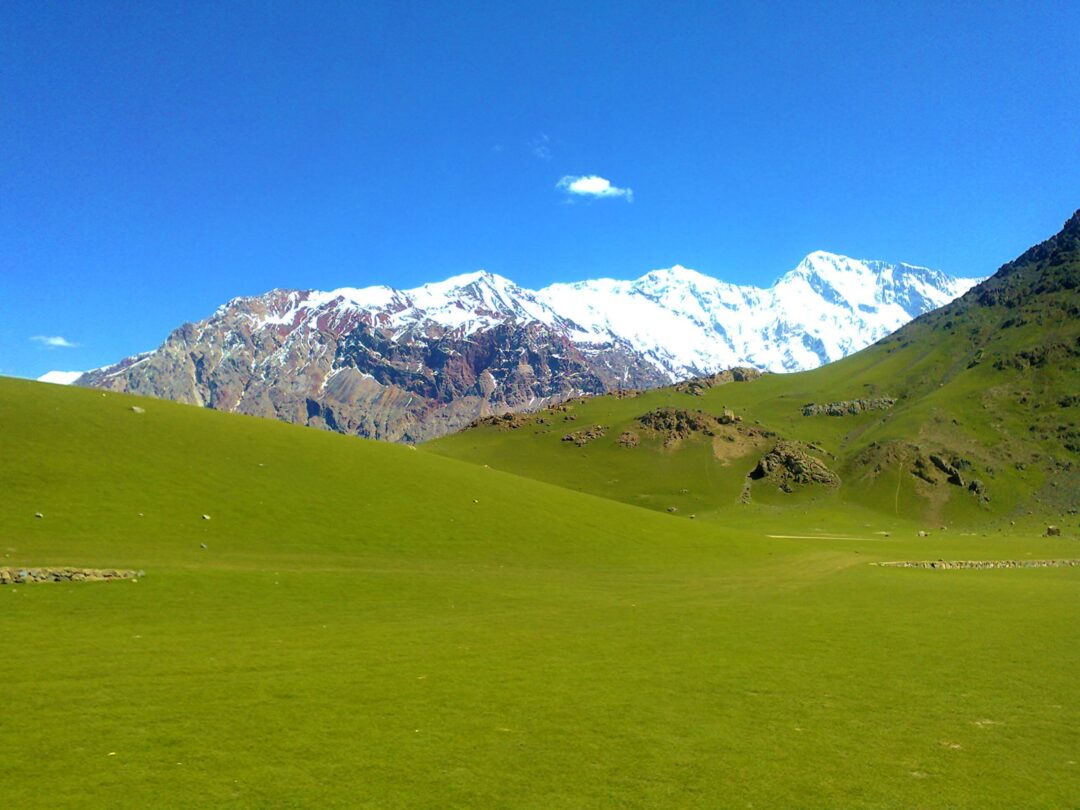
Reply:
x=60, y=377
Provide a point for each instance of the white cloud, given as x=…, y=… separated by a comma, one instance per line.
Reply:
x=54, y=342
x=590, y=185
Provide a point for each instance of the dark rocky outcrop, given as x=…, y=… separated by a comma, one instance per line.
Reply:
x=977, y=488
x=950, y=469
x=675, y=424
x=789, y=464
x=1048, y=268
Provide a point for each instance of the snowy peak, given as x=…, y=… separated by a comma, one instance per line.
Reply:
x=675, y=276
x=682, y=321
x=689, y=323
x=864, y=285
x=487, y=296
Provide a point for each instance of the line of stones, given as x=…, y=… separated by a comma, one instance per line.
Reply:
x=981, y=564
x=19, y=576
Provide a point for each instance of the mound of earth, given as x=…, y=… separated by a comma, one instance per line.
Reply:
x=848, y=407
x=699, y=385
x=502, y=421
x=931, y=468
x=675, y=424
x=789, y=464
x=586, y=435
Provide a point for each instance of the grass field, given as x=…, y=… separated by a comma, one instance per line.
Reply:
x=371, y=625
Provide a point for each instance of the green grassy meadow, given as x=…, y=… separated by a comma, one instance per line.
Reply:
x=371, y=625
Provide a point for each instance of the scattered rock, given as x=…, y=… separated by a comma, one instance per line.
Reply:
x=673, y=509
x=699, y=385
x=205, y=517
x=923, y=533
x=981, y=564
x=502, y=421
x=19, y=576
x=137, y=409
x=1038, y=356
x=628, y=439
x=978, y=488
x=38, y=515
x=675, y=424
x=848, y=407
x=202, y=546
x=1053, y=531
x=950, y=469
x=586, y=435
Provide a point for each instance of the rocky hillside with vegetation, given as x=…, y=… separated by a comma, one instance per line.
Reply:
x=969, y=412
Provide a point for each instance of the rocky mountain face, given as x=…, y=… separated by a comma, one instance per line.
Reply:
x=407, y=365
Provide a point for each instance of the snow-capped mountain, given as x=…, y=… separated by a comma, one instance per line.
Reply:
x=688, y=323
x=411, y=364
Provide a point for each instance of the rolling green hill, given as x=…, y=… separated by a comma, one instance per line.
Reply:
x=985, y=428
x=370, y=625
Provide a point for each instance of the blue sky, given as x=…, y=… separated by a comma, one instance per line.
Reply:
x=160, y=158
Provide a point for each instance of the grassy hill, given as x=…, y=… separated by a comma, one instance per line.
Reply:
x=370, y=625
x=984, y=429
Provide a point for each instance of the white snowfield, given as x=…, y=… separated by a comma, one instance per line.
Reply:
x=828, y=307
x=60, y=377
x=681, y=321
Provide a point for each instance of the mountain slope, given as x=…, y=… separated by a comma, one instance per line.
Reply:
x=412, y=364
x=969, y=414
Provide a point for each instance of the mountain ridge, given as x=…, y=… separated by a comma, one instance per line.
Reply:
x=409, y=364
